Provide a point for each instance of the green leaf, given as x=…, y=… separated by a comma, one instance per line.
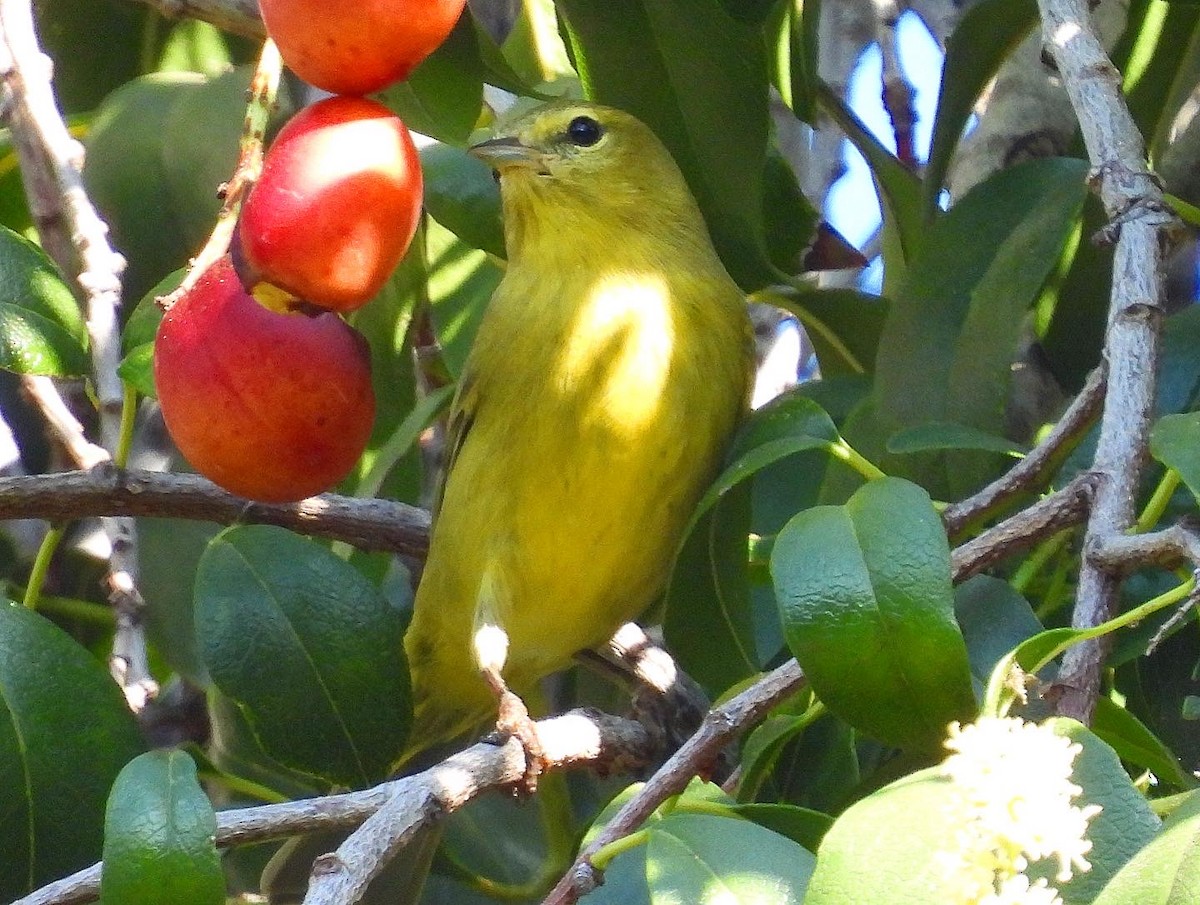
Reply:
x=864, y=593
x=159, y=835
x=461, y=280
x=803, y=826
x=983, y=38
x=793, y=33
x=96, y=47
x=1124, y=826
x=199, y=148
x=153, y=168
x=703, y=858
x=1136, y=744
x=698, y=78
x=1167, y=870
x=41, y=328
x=844, y=326
x=1175, y=441
x=443, y=97
x=708, y=624
x=994, y=619
x=898, y=187
x=65, y=733
x=462, y=196
x=137, y=339
x=961, y=309
x=309, y=648
x=940, y=435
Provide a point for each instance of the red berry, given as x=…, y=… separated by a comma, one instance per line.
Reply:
x=336, y=205
x=272, y=406
x=359, y=47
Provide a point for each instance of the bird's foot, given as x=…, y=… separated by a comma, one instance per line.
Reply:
x=513, y=721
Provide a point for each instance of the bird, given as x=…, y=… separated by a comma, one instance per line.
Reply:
x=608, y=374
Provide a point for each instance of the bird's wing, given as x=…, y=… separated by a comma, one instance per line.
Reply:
x=458, y=425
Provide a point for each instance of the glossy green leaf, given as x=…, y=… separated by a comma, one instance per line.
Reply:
x=697, y=77
x=702, y=858
x=1167, y=870
x=309, y=648
x=803, y=826
x=443, y=98
x=65, y=733
x=95, y=47
x=867, y=607
x=939, y=435
x=137, y=339
x=1161, y=70
x=981, y=41
x=195, y=46
x=1125, y=824
x=41, y=328
x=462, y=196
x=159, y=835
x=461, y=282
x=199, y=147
x=793, y=33
x=708, y=624
x=961, y=309
x=153, y=169
x=1175, y=441
x=994, y=619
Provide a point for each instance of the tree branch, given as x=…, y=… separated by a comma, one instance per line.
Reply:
x=721, y=726
x=1130, y=193
x=402, y=807
x=64, y=496
x=1046, y=517
x=1035, y=469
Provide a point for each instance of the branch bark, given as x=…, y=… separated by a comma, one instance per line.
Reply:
x=64, y=496
x=1130, y=193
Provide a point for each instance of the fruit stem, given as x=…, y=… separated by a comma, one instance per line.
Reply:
x=264, y=87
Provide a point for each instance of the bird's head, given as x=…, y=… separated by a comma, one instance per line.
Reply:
x=574, y=161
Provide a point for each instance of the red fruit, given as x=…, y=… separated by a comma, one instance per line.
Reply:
x=272, y=406
x=357, y=47
x=335, y=207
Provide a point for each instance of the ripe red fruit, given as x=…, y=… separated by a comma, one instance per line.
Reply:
x=272, y=406
x=335, y=207
x=359, y=47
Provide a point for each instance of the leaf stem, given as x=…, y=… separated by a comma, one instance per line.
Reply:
x=129, y=402
x=1158, y=502
x=844, y=452
x=41, y=565
x=604, y=855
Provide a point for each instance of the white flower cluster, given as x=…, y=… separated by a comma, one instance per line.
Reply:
x=1011, y=803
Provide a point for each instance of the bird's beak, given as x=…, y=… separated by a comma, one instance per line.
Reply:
x=500, y=153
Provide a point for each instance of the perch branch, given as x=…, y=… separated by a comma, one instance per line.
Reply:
x=721, y=726
x=1132, y=197
x=405, y=805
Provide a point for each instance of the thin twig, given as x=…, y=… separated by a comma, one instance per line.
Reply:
x=1122, y=553
x=1032, y=472
x=721, y=726
x=1061, y=509
x=1130, y=192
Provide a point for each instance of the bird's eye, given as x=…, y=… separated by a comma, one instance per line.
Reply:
x=584, y=131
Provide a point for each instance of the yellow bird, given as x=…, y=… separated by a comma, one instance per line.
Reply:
x=606, y=378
